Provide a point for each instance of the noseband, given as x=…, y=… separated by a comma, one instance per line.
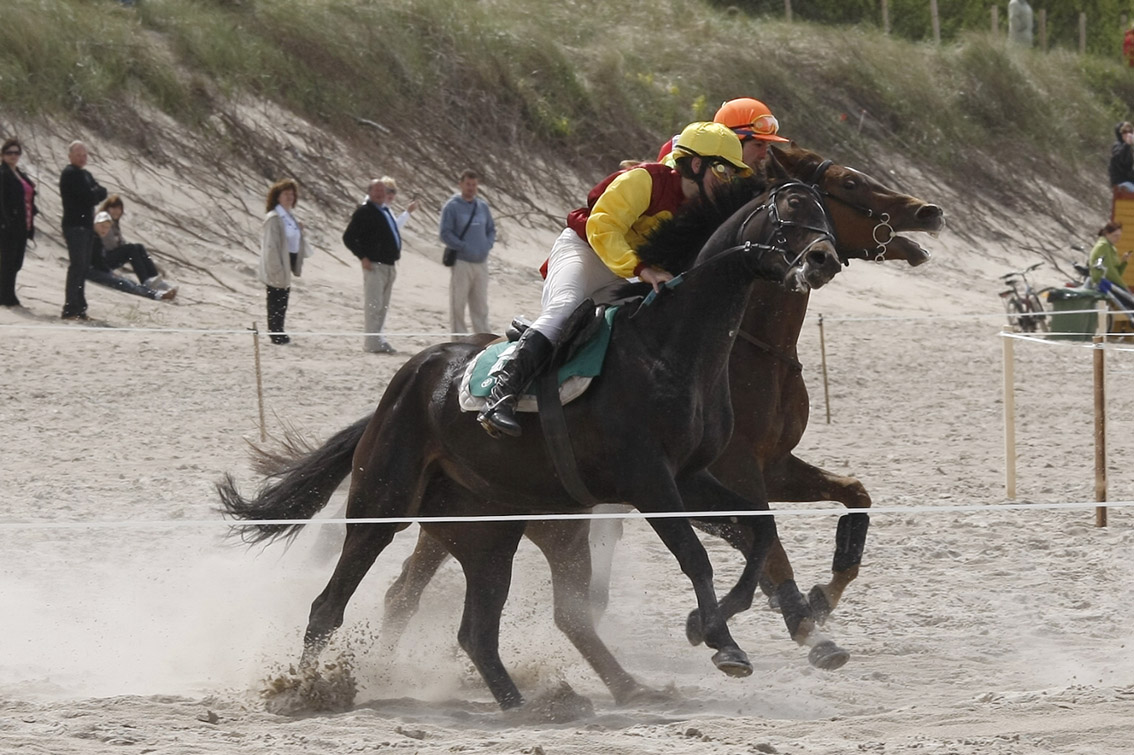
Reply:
x=883, y=232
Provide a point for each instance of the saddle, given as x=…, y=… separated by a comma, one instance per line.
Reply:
x=578, y=358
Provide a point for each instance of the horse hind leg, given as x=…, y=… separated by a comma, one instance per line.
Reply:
x=565, y=545
x=485, y=552
x=385, y=482
x=404, y=596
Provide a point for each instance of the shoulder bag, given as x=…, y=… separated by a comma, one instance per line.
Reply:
x=449, y=256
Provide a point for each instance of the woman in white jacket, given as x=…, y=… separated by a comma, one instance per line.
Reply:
x=282, y=251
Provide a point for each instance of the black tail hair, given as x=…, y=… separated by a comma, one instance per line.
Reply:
x=299, y=482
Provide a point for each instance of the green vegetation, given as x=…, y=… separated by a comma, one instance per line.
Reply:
x=911, y=19
x=583, y=83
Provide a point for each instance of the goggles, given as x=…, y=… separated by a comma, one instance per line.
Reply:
x=723, y=171
x=765, y=125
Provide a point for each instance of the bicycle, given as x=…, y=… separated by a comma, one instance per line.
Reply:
x=1022, y=303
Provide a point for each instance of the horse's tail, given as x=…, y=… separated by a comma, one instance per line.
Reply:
x=299, y=482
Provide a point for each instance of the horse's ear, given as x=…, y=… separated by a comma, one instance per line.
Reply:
x=773, y=168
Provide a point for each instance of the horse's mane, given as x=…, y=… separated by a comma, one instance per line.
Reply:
x=674, y=243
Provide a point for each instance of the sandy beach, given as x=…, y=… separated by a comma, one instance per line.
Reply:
x=131, y=625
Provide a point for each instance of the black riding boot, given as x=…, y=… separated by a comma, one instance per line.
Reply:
x=531, y=353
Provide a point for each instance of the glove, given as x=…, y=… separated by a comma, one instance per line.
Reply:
x=1105, y=286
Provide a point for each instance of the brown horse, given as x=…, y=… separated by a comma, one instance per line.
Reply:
x=420, y=455
x=770, y=404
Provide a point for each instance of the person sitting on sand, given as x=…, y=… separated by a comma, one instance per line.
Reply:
x=118, y=252
x=101, y=269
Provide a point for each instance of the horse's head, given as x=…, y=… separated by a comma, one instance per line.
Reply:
x=788, y=231
x=866, y=215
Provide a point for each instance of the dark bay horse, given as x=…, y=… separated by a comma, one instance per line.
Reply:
x=420, y=455
x=770, y=405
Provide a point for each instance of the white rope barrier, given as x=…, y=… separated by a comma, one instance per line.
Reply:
x=446, y=334
x=815, y=512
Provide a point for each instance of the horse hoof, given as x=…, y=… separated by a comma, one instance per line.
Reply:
x=820, y=607
x=828, y=656
x=733, y=662
x=693, y=630
x=642, y=695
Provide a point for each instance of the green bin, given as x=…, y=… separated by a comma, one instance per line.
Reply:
x=1067, y=323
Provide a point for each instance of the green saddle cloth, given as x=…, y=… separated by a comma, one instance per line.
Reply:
x=587, y=362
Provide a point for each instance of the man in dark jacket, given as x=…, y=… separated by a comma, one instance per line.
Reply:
x=1122, y=157
x=373, y=236
x=80, y=193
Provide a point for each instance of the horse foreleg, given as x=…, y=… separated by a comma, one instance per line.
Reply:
x=565, y=545
x=741, y=472
x=678, y=536
x=793, y=479
x=404, y=596
x=485, y=552
x=755, y=547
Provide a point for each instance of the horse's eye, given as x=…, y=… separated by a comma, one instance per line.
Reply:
x=793, y=202
x=850, y=184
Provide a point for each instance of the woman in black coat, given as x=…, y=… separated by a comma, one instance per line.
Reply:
x=17, y=216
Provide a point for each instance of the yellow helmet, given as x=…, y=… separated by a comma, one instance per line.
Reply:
x=707, y=139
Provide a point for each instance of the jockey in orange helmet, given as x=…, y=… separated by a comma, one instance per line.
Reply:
x=752, y=121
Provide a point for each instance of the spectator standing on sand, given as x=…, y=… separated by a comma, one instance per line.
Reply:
x=374, y=236
x=17, y=219
x=1020, y=22
x=467, y=226
x=1121, y=167
x=116, y=252
x=80, y=193
x=403, y=217
x=283, y=248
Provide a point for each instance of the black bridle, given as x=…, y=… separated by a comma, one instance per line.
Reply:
x=778, y=225
x=775, y=231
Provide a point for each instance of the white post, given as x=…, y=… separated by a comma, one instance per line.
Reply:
x=1009, y=418
x=885, y=17
x=936, y=21
x=1103, y=314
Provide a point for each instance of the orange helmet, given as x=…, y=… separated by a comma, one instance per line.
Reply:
x=750, y=119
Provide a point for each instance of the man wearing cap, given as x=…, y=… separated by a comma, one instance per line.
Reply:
x=752, y=121
x=597, y=251
x=374, y=236
x=80, y=193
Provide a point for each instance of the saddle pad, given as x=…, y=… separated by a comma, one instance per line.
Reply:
x=574, y=376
